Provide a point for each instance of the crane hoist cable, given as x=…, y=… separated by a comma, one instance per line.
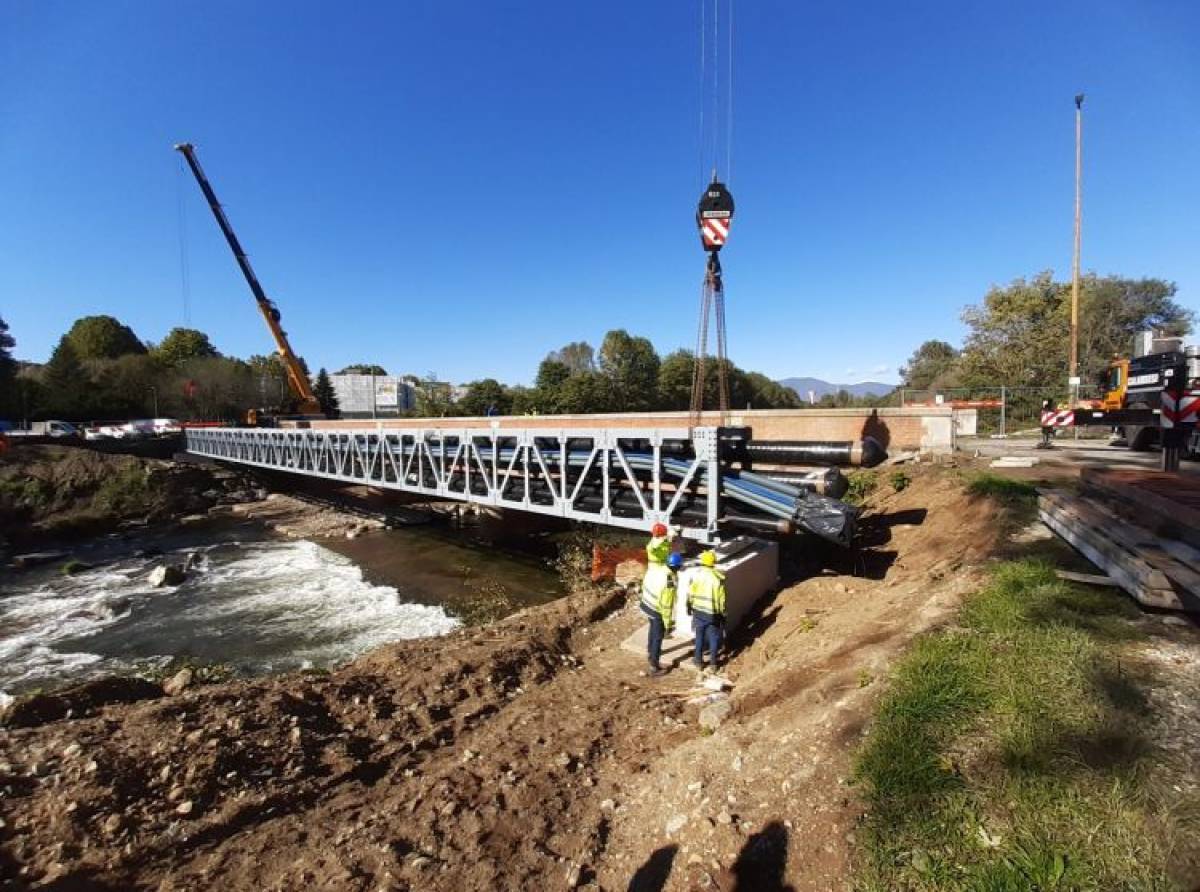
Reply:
x=185, y=275
x=714, y=216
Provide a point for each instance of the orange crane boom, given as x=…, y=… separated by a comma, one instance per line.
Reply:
x=297, y=379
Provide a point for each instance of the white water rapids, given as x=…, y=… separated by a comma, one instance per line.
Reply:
x=260, y=605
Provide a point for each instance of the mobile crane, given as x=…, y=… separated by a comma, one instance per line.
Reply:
x=1134, y=387
x=297, y=379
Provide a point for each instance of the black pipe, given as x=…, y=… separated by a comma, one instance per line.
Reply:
x=760, y=524
x=866, y=453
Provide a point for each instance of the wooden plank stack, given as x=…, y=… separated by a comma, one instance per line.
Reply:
x=1138, y=529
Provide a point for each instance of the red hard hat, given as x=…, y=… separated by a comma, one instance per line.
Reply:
x=658, y=530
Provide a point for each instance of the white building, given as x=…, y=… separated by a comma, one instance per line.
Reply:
x=373, y=396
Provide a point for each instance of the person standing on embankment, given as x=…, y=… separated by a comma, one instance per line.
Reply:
x=706, y=606
x=658, y=603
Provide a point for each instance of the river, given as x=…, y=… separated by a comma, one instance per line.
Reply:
x=252, y=600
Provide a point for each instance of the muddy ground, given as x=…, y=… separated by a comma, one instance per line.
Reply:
x=528, y=754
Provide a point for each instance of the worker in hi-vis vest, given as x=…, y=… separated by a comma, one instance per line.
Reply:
x=658, y=603
x=659, y=546
x=706, y=606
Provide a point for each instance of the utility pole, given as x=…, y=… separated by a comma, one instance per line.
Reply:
x=1074, y=379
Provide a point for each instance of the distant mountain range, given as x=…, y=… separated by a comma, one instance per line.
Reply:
x=819, y=387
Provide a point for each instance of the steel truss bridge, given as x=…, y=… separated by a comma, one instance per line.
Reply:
x=630, y=478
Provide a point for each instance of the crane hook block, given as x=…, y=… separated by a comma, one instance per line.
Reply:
x=715, y=216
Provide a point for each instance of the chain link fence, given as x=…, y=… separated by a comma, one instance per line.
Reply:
x=1007, y=411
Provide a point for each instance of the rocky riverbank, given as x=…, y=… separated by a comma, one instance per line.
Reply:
x=53, y=496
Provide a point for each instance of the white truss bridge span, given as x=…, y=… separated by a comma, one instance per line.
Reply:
x=630, y=478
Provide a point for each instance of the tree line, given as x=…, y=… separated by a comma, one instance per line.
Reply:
x=625, y=375
x=101, y=370
x=1019, y=335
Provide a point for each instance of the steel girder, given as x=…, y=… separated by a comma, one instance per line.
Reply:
x=536, y=470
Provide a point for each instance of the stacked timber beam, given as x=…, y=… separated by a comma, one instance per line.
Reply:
x=1137, y=528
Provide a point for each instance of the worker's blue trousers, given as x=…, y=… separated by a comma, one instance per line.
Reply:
x=709, y=630
x=654, y=639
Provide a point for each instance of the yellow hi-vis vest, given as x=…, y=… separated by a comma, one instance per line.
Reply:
x=658, y=549
x=658, y=592
x=707, y=593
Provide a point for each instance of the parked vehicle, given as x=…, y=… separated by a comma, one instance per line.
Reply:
x=54, y=429
x=1133, y=398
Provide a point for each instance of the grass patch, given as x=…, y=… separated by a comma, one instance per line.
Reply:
x=29, y=493
x=1009, y=752
x=899, y=480
x=203, y=671
x=126, y=491
x=486, y=603
x=861, y=485
x=985, y=483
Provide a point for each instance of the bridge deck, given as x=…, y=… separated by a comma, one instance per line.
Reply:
x=630, y=478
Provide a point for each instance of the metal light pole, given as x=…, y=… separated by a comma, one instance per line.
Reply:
x=1074, y=379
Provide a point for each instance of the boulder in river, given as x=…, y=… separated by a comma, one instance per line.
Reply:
x=167, y=574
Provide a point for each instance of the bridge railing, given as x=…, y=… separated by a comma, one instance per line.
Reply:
x=630, y=478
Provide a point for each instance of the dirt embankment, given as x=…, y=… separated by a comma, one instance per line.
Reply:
x=529, y=754
x=54, y=493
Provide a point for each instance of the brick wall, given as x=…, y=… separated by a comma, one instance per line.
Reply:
x=928, y=429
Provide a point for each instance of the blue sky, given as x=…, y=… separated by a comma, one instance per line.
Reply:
x=460, y=187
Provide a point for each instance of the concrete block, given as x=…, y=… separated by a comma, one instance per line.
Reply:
x=751, y=568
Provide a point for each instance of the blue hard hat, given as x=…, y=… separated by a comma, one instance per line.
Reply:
x=675, y=561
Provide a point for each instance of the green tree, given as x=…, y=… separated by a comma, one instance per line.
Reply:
x=631, y=366
x=931, y=364
x=184, y=344
x=524, y=400
x=1113, y=310
x=433, y=397
x=485, y=397
x=577, y=356
x=67, y=388
x=211, y=388
x=551, y=376
x=127, y=386
x=675, y=380
x=586, y=393
x=9, y=402
x=326, y=395
x=763, y=393
x=103, y=337
x=1020, y=334
x=363, y=368
x=271, y=379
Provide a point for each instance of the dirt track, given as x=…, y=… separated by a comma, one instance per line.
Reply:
x=529, y=754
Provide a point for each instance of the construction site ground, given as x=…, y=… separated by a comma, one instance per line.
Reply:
x=532, y=753
x=1067, y=456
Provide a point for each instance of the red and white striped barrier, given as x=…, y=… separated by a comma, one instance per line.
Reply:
x=1182, y=409
x=1058, y=418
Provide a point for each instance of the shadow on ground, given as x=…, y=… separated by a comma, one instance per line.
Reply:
x=652, y=876
x=762, y=863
